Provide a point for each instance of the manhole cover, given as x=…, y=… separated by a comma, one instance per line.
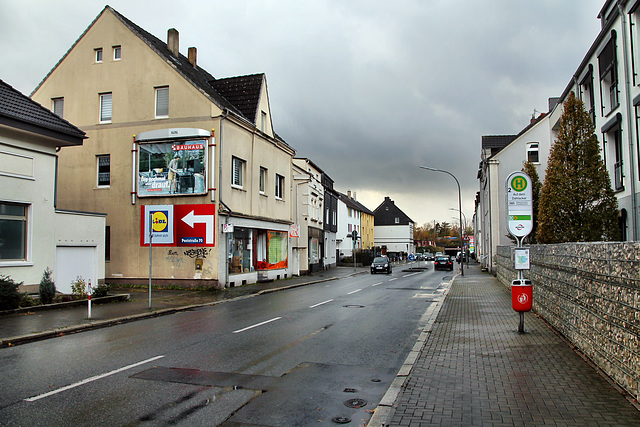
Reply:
x=355, y=403
x=376, y=380
x=350, y=390
x=354, y=306
x=341, y=420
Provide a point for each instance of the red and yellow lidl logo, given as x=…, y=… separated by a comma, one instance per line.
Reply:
x=159, y=221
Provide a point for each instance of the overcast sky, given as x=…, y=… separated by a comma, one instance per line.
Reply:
x=367, y=89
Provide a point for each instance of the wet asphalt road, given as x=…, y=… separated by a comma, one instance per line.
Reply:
x=311, y=355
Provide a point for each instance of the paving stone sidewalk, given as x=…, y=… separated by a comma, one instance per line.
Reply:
x=475, y=369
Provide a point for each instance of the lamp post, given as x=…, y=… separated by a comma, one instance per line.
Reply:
x=465, y=232
x=459, y=205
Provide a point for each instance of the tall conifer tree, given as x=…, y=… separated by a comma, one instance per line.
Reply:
x=577, y=203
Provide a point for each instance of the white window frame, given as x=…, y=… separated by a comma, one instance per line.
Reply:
x=27, y=234
x=98, y=159
x=98, y=55
x=57, y=106
x=263, y=180
x=161, y=93
x=103, y=118
x=117, y=53
x=533, y=147
x=279, y=191
x=237, y=172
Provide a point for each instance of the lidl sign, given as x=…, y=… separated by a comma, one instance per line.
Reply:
x=178, y=225
x=519, y=204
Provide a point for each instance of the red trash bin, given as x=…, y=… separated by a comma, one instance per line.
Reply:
x=521, y=295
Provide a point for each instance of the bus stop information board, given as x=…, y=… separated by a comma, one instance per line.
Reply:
x=519, y=204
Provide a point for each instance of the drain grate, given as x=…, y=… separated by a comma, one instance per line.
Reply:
x=355, y=403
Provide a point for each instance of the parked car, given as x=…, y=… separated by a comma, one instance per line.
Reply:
x=429, y=256
x=419, y=257
x=381, y=264
x=443, y=262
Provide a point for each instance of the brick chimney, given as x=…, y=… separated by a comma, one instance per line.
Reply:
x=193, y=53
x=173, y=41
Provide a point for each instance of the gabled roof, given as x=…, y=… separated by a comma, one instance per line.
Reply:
x=387, y=212
x=21, y=112
x=353, y=204
x=240, y=95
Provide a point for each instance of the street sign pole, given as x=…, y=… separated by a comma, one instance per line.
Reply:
x=150, y=248
x=519, y=223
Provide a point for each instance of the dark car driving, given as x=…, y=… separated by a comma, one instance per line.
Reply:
x=443, y=262
x=381, y=264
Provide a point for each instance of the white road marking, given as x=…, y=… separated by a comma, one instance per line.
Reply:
x=395, y=278
x=411, y=274
x=256, y=325
x=353, y=292
x=320, y=303
x=88, y=380
x=376, y=284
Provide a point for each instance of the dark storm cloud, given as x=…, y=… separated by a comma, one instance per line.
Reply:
x=367, y=89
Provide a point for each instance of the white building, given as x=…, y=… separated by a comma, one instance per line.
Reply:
x=348, y=221
x=34, y=235
x=393, y=229
x=501, y=155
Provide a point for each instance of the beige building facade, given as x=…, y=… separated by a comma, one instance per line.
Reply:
x=172, y=153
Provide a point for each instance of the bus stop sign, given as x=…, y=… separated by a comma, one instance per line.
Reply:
x=519, y=204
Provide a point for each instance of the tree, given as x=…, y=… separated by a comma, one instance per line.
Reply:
x=536, y=186
x=576, y=201
x=47, y=288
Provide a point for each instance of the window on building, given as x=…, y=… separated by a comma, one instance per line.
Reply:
x=397, y=220
x=107, y=243
x=13, y=231
x=104, y=170
x=634, y=20
x=279, y=187
x=263, y=121
x=98, y=55
x=237, y=172
x=612, y=133
x=533, y=154
x=607, y=64
x=263, y=180
x=117, y=53
x=57, y=106
x=105, y=108
x=162, y=102
x=587, y=94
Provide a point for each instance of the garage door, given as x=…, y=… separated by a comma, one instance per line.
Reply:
x=74, y=261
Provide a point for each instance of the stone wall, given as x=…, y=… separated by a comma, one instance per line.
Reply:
x=590, y=292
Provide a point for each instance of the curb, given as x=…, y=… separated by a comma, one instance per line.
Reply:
x=384, y=411
x=59, y=305
x=38, y=336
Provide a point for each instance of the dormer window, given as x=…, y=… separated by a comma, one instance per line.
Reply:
x=98, y=54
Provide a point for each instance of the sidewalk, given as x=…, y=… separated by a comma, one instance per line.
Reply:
x=32, y=325
x=475, y=369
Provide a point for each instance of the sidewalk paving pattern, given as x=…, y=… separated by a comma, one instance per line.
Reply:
x=473, y=369
x=476, y=369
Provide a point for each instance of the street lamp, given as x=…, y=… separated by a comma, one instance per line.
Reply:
x=465, y=232
x=459, y=205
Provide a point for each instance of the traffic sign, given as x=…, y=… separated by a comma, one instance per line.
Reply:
x=519, y=204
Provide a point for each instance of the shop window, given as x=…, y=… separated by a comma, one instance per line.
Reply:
x=240, y=249
x=252, y=249
x=13, y=231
